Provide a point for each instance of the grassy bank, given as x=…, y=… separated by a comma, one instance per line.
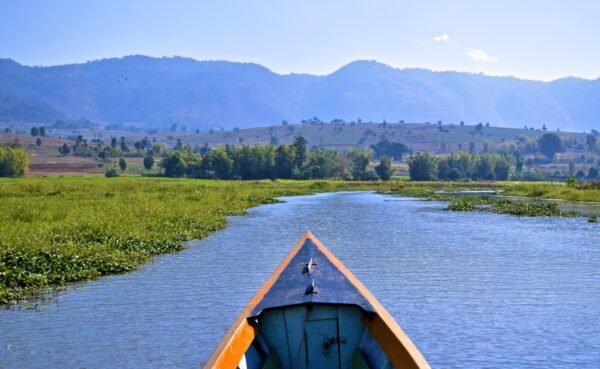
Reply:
x=60, y=230
x=539, y=190
x=552, y=191
x=544, y=190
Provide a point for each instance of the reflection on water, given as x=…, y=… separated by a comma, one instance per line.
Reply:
x=472, y=290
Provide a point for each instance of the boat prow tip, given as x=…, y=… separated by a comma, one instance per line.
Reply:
x=308, y=234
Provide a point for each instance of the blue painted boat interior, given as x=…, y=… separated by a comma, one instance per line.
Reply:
x=314, y=336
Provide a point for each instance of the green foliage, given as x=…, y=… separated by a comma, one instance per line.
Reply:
x=64, y=150
x=359, y=160
x=393, y=150
x=268, y=162
x=284, y=161
x=591, y=142
x=463, y=204
x=111, y=172
x=60, y=230
x=550, y=144
x=589, y=191
x=466, y=166
x=300, y=152
x=14, y=161
x=148, y=162
x=384, y=169
x=518, y=208
x=326, y=164
x=123, y=145
x=221, y=163
x=174, y=164
x=422, y=167
x=122, y=164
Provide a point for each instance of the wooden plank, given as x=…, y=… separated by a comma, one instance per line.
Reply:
x=351, y=330
x=295, y=321
x=274, y=331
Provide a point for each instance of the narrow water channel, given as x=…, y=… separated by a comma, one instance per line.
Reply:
x=473, y=290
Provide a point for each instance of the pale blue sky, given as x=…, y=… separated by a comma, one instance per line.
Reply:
x=530, y=39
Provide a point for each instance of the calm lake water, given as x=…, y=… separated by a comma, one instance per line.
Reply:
x=473, y=290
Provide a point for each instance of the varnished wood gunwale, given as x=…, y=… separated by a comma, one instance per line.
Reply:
x=234, y=344
x=398, y=347
x=400, y=350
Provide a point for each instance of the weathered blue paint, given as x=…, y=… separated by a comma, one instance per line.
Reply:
x=351, y=331
x=372, y=352
x=292, y=286
x=318, y=336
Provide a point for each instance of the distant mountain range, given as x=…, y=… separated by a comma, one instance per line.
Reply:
x=156, y=92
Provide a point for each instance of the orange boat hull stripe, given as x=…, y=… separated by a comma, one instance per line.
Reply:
x=400, y=350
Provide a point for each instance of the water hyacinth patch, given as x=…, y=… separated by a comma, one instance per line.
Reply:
x=61, y=230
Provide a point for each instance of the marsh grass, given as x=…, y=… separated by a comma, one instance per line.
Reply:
x=553, y=191
x=529, y=209
x=55, y=231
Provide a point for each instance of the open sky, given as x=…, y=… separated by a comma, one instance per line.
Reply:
x=525, y=38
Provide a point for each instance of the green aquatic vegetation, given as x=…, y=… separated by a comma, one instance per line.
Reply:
x=593, y=219
x=585, y=192
x=463, y=205
x=503, y=206
x=54, y=231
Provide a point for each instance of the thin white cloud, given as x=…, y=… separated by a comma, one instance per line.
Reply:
x=480, y=55
x=441, y=38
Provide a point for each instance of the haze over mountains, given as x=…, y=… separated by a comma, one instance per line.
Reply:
x=156, y=92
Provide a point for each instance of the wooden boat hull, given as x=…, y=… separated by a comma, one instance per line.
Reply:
x=312, y=313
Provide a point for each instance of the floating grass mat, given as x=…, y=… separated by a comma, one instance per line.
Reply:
x=503, y=206
x=55, y=231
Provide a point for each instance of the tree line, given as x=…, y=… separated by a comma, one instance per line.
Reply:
x=294, y=161
x=460, y=166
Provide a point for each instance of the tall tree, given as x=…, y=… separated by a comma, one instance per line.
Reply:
x=299, y=145
x=384, y=169
x=221, y=163
x=422, y=167
x=284, y=161
x=550, y=144
x=590, y=142
x=359, y=160
x=174, y=164
x=393, y=150
x=124, y=146
x=148, y=162
x=122, y=163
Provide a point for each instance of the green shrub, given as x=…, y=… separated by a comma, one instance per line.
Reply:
x=111, y=172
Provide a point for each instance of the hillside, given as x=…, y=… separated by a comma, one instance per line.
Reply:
x=438, y=139
x=156, y=92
